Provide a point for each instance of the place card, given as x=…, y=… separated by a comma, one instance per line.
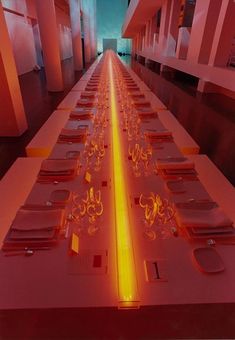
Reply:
x=74, y=244
x=87, y=177
x=155, y=270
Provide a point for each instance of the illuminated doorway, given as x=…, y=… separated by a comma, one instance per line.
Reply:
x=110, y=44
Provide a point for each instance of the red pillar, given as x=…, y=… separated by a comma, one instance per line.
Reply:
x=224, y=34
x=50, y=44
x=12, y=116
x=74, y=6
x=203, y=30
x=87, y=34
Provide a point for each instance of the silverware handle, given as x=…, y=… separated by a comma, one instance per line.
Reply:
x=15, y=253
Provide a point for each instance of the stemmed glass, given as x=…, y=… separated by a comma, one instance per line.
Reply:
x=94, y=209
x=99, y=152
x=146, y=156
x=159, y=212
x=135, y=153
x=86, y=210
x=89, y=151
x=78, y=211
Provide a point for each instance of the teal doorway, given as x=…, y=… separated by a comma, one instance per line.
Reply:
x=110, y=44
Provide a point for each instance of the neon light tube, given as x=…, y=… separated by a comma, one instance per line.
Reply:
x=127, y=284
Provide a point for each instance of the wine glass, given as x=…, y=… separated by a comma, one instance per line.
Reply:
x=94, y=209
x=146, y=156
x=148, y=203
x=135, y=153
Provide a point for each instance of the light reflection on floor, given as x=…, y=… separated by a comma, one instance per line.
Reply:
x=210, y=118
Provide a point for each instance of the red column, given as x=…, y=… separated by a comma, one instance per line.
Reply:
x=50, y=44
x=86, y=26
x=74, y=6
x=164, y=27
x=224, y=34
x=173, y=27
x=203, y=30
x=93, y=29
x=12, y=116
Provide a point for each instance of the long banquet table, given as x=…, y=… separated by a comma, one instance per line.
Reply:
x=65, y=293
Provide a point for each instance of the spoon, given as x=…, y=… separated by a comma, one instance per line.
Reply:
x=26, y=252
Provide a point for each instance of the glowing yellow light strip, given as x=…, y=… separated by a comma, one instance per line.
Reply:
x=127, y=284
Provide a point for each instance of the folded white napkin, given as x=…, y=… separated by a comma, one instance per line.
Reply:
x=202, y=218
x=58, y=165
x=172, y=164
x=88, y=94
x=26, y=220
x=141, y=103
x=175, y=186
x=74, y=132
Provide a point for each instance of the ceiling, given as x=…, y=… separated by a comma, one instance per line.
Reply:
x=138, y=13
